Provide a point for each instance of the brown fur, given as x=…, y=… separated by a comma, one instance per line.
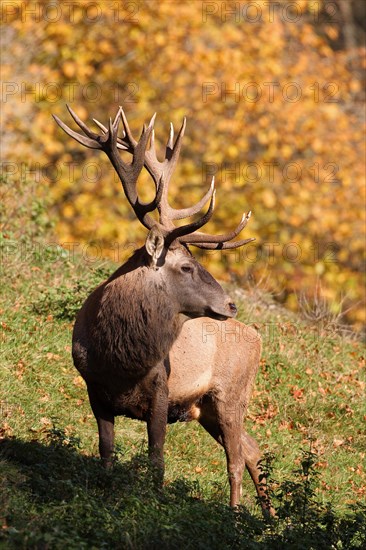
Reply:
x=125, y=329
x=213, y=368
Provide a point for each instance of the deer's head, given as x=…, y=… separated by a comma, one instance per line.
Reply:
x=165, y=252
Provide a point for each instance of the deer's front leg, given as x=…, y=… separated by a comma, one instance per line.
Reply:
x=105, y=421
x=157, y=416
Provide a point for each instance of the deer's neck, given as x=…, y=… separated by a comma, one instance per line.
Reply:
x=136, y=323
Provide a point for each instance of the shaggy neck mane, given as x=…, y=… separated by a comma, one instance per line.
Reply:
x=136, y=324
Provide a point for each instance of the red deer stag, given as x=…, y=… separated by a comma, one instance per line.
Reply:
x=131, y=342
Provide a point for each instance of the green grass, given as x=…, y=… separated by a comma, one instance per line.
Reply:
x=307, y=413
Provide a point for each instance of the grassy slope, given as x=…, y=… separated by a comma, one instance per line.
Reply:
x=309, y=397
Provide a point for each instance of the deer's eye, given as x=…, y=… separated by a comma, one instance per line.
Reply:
x=186, y=268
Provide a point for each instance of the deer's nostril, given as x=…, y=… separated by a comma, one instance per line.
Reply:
x=233, y=308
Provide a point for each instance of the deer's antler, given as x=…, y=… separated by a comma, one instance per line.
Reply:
x=128, y=173
x=161, y=172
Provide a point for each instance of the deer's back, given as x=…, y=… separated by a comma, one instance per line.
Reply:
x=212, y=356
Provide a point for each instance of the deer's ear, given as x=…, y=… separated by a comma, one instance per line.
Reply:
x=154, y=245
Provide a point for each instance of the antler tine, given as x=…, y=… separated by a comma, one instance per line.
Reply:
x=141, y=145
x=86, y=141
x=178, y=214
x=170, y=143
x=202, y=238
x=178, y=233
x=127, y=141
x=172, y=152
x=120, y=143
x=81, y=124
x=100, y=125
x=222, y=246
x=152, y=142
x=128, y=134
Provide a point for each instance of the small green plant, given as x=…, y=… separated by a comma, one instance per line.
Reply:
x=304, y=522
x=57, y=437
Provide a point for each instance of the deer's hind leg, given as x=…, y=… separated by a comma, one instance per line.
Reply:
x=224, y=425
x=253, y=457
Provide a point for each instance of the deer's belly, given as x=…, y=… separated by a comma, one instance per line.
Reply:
x=183, y=413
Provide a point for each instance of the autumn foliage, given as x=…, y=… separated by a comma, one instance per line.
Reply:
x=274, y=112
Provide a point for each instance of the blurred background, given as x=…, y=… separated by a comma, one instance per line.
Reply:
x=274, y=96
